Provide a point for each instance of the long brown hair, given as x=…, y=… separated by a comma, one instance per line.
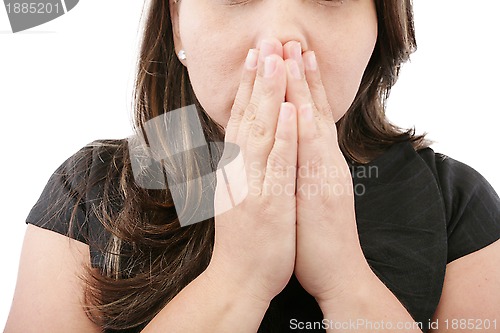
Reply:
x=148, y=257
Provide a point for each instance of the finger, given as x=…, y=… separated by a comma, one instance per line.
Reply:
x=269, y=46
x=267, y=98
x=243, y=95
x=281, y=166
x=311, y=156
x=293, y=50
x=321, y=105
x=266, y=48
x=297, y=90
x=258, y=124
x=316, y=88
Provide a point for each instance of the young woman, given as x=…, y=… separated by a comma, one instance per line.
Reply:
x=342, y=221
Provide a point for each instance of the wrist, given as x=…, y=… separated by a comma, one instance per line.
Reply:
x=355, y=292
x=239, y=289
x=368, y=300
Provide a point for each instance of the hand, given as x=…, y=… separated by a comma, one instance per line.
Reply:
x=255, y=241
x=329, y=257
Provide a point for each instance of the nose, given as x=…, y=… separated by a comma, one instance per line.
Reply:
x=282, y=24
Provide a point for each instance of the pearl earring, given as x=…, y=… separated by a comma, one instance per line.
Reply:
x=182, y=55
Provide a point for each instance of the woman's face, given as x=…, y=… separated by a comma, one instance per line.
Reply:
x=217, y=34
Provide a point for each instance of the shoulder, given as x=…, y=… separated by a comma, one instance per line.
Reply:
x=472, y=206
x=450, y=171
x=459, y=182
x=97, y=156
x=52, y=266
x=88, y=162
x=63, y=204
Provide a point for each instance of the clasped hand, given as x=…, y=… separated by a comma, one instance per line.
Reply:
x=298, y=211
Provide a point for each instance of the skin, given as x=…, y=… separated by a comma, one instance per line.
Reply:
x=263, y=240
x=342, y=36
x=339, y=41
x=269, y=235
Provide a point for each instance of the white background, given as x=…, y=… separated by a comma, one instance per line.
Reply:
x=69, y=82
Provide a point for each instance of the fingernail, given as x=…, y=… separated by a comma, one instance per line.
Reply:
x=306, y=111
x=266, y=49
x=311, y=62
x=251, y=60
x=269, y=66
x=293, y=67
x=285, y=112
x=297, y=52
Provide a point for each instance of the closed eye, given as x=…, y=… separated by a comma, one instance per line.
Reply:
x=236, y=2
x=333, y=3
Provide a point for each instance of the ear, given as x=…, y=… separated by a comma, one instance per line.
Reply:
x=174, y=17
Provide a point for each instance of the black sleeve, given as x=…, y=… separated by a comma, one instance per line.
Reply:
x=472, y=207
x=61, y=206
x=74, y=193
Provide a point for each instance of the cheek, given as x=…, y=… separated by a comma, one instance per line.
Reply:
x=214, y=67
x=214, y=78
x=342, y=72
x=341, y=81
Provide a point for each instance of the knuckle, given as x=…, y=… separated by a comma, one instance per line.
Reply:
x=325, y=110
x=326, y=197
x=254, y=190
x=238, y=109
x=303, y=79
x=265, y=208
x=278, y=165
x=233, y=124
x=316, y=83
x=314, y=166
x=316, y=163
x=267, y=89
x=259, y=130
x=304, y=95
x=313, y=138
x=247, y=79
x=251, y=110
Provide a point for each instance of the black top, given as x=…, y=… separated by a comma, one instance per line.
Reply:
x=416, y=212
